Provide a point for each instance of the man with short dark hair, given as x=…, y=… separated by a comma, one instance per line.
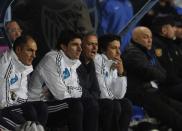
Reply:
x=115, y=110
x=55, y=80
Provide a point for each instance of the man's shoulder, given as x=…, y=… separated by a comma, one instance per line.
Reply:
x=134, y=53
x=5, y=60
x=132, y=49
x=98, y=57
x=51, y=55
x=5, y=57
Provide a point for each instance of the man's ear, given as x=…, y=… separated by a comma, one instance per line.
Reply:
x=164, y=30
x=63, y=47
x=17, y=50
x=135, y=39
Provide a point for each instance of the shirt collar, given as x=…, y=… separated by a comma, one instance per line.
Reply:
x=19, y=65
x=107, y=61
x=71, y=63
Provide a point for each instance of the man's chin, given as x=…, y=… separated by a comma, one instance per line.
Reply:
x=93, y=55
x=76, y=58
x=149, y=47
x=29, y=64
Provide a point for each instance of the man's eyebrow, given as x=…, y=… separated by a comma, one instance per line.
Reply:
x=92, y=42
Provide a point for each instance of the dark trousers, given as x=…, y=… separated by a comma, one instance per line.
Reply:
x=66, y=112
x=164, y=108
x=106, y=114
x=29, y=111
x=9, y=120
x=173, y=91
x=115, y=115
x=121, y=114
x=91, y=114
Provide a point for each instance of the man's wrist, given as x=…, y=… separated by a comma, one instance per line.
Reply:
x=120, y=74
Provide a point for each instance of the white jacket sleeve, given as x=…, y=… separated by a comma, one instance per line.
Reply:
x=105, y=92
x=111, y=86
x=3, y=102
x=102, y=84
x=48, y=72
x=119, y=87
x=35, y=87
x=4, y=68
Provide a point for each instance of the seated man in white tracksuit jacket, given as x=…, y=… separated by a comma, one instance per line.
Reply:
x=15, y=67
x=112, y=82
x=55, y=80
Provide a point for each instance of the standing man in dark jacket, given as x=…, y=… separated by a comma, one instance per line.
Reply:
x=144, y=78
x=89, y=82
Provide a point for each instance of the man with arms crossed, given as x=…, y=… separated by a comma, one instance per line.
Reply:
x=16, y=66
x=55, y=80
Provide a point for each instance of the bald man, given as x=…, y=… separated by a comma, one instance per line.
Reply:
x=144, y=77
x=143, y=36
x=13, y=30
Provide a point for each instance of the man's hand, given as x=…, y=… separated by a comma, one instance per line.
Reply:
x=118, y=65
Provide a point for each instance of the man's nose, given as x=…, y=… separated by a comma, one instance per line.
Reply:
x=118, y=51
x=34, y=54
x=79, y=48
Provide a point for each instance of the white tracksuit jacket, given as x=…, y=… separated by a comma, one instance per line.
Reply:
x=57, y=73
x=111, y=86
x=13, y=80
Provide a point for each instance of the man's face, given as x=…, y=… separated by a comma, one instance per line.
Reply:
x=145, y=38
x=27, y=53
x=113, y=50
x=90, y=47
x=73, y=50
x=168, y=31
x=13, y=30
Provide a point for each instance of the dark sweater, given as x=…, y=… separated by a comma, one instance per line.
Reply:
x=88, y=80
x=170, y=60
x=142, y=68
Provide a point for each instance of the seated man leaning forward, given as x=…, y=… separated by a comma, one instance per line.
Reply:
x=15, y=68
x=55, y=80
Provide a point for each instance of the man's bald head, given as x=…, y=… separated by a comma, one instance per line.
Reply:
x=143, y=36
